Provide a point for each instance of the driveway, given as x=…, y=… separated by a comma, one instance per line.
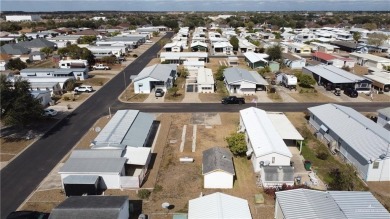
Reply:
x=153, y=99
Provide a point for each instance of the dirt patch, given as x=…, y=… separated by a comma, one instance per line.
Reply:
x=44, y=201
x=13, y=146
x=210, y=98
x=275, y=97
x=359, y=70
x=86, y=140
x=310, y=97
x=129, y=96
x=376, y=97
x=381, y=191
x=96, y=81
x=180, y=84
x=154, y=62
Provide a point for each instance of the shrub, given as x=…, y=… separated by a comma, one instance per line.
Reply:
x=322, y=155
x=135, y=55
x=66, y=98
x=158, y=188
x=143, y=193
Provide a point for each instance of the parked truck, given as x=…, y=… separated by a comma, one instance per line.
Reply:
x=233, y=100
x=100, y=67
x=289, y=81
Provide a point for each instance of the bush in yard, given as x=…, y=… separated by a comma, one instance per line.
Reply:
x=322, y=155
x=236, y=143
x=173, y=91
x=219, y=75
x=135, y=55
x=341, y=179
x=144, y=193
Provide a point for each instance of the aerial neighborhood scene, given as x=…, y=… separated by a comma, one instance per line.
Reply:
x=195, y=110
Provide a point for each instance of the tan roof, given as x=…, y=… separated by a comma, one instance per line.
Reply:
x=4, y=56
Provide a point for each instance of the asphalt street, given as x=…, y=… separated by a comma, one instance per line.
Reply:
x=22, y=176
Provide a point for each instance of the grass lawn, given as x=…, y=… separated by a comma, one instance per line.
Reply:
x=180, y=84
x=323, y=167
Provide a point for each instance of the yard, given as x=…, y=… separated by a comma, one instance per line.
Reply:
x=179, y=96
x=129, y=96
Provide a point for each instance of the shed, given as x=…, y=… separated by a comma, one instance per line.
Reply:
x=155, y=76
x=256, y=60
x=264, y=143
x=43, y=96
x=77, y=185
x=218, y=206
x=82, y=207
x=218, y=168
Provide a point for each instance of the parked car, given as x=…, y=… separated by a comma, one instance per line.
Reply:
x=351, y=92
x=27, y=215
x=83, y=88
x=233, y=100
x=49, y=112
x=159, y=92
x=101, y=67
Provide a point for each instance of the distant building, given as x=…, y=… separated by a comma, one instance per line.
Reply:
x=19, y=18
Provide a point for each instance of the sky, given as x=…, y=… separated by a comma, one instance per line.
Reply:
x=193, y=5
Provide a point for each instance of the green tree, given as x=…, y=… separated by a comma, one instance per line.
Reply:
x=219, y=31
x=109, y=59
x=86, y=39
x=274, y=52
x=155, y=34
x=306, y=80
x=357, y=36
x=16, y=64
x=377, y=39
x=173, y=91
x=234, y=42
x=219, y=75
x=236, y=143
x=18, y=106
x=47, y=51
x=370, y=26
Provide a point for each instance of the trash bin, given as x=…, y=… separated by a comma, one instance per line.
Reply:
x=307, y=165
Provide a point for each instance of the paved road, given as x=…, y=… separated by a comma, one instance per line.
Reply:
x=217, y=107
x=20, y=177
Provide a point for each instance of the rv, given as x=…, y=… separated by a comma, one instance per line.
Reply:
x=76, y=63
x=289, y=81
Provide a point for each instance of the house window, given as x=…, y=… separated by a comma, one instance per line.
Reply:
x=273, y=159
x=375, y=165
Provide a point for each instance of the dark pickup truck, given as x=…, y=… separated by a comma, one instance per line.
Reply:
x=233, y=100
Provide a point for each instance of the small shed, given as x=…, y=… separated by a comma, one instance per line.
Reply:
x=217, y=168
x=77, y=185
x=43, y=96
x=274, y=66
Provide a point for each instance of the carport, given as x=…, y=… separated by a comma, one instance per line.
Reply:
x=285, y=129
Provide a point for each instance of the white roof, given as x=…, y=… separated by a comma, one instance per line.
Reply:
x=381, y=77
x=218, y=206
x=370, y=57
x=262, y=133
x=205, y=76
x=355, y=129
x=256, y=57
x=137, y=155
x=160, y=72
x=193, y=63
x=222, y=44
x=284, y=127
x=183, y=55
x=198, y=43
x=174, y=44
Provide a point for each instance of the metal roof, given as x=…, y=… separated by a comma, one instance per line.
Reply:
x=159, y=72
x=283, y=126
x=80, y=179
x=370, y=57
x=256, y=57
x=291, y=56
x=197, y=43
x=355, y=129
x=381, y=77
x=37, y=43
x=263, y=135
x=217, y=158
x=95, y=153
x=205, y=76
x=109, y=146
x=137, y=156
x=278, y=174
x=93, y=165
x=218, y=206
x=323, y=56
x=334, y=74
x=117, y=127
x=96, y=207
x=307, y=204
x=359, y=205
x=52, y=70
x=14, y=49
x=385, y=112
x=235, y=75
x=183, y=55
x=139, y=130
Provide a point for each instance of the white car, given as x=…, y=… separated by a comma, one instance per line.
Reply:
x=84, y=88
x=49, y=112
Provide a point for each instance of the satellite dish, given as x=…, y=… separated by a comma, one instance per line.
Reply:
x=98, y=129
x=165, y=205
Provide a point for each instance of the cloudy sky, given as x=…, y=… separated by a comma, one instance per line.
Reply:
x=192, y=5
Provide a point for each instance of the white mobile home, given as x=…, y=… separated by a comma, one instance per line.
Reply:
x=205, y=80
x=348, y=133
x=293, y=61
x=180, y=57
x=243, y=82
x=369, y=60
x=155, y=76
x=76, y=73
x=265, y=145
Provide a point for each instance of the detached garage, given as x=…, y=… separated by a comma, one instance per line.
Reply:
x=77, y=185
